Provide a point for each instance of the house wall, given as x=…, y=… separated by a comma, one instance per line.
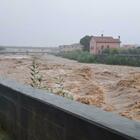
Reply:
x=97, y=48
x=93, y=49
x=101, y=46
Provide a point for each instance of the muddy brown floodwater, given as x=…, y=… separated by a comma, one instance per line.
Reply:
x=112, y=88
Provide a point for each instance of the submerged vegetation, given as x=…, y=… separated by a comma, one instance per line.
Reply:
x=37, y=81
x=36, y=77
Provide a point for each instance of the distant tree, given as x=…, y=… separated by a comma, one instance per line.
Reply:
x=85, y=41
x=2, y=48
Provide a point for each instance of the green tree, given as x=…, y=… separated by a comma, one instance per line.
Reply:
x=2, y=48
x=85, y=41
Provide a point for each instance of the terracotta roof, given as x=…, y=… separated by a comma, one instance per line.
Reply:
x=105, y=39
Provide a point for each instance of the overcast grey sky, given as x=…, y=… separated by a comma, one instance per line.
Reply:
x=54, y=22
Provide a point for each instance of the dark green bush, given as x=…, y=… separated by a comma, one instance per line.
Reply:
x=124, y=51
x=85, y=57
x=111, y=59
x=122, y=60
x=70, y=55
x=80, y=56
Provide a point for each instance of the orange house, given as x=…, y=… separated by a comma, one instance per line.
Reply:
x=99, y=43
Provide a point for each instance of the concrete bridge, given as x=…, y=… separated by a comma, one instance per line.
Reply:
x=28, y=50
x=32, y=114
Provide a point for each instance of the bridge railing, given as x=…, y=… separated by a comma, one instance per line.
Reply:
x=31, y=114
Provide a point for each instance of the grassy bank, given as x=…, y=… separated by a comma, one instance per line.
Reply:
x=112, y=59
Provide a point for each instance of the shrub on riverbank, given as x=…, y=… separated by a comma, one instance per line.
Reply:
x=80, y=56
x=112, y=59
x=119, y=60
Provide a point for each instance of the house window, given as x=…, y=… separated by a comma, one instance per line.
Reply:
x=102, y=47
x=108, y=46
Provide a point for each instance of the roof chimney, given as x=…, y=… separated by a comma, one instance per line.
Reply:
x=119, y=37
